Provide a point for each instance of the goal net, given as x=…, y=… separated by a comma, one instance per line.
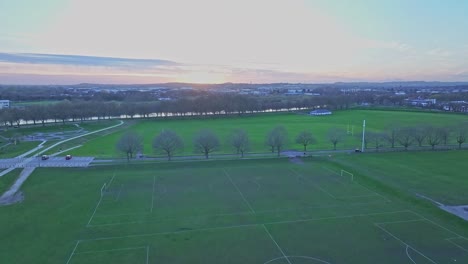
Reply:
x=347, y=174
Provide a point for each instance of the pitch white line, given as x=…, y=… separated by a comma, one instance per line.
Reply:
x=227, y=214
x=437, y=224
x=242, y=195
x=152, y=195
x=359, y=184
x=147, y=254
x=118, y=195
x=110, y=182
x=73, y=252
x=245, y=225
x=408, y=255
x=108, y=250
x=303, y=257
x=274, y=241
x=95, y=209
x=313, y=185
x=398, y=222
x=462, y=248
x=404, y=243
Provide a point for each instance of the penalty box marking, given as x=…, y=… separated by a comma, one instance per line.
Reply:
x=107, y=250
x=249, y=225
x=422, y=219
x=454, y=243
x=316, y=185
x=359, y=184
x=229, y=214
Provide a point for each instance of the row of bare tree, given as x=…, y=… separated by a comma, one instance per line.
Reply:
x=212, y=104
x=168, y=142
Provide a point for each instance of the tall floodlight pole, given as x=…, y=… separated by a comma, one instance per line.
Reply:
x=363, y=134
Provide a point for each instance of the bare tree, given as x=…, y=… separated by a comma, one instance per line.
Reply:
x=376, y=139
x=461, y=132
x=239, y=139
x=444, y=134
x=277, y=138
x=305, y=138
x=419, y=134
x=405, y=137
x=434, y=136
x=336, y=135
x=206, y=141
x=391, y=135
x=168, y=142
x=130, y=143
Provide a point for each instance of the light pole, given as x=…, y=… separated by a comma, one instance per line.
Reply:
x=363, y=135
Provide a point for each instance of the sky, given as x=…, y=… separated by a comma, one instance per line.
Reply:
x=216, y=41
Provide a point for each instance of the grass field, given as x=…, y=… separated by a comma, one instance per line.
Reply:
x=12, y=150
x=246, y=211
x=421, y=172
x=7, y=180
x=259, y=125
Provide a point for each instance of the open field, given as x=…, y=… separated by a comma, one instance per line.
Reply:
x=245, y=211
x=258, y=126
x=8, y=179
x=12, y=150
x=444, y=180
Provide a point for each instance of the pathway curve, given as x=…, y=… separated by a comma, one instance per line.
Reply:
x=12, y=195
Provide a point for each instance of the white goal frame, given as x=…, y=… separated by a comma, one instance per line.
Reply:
x=103, y=189
x=343, y=172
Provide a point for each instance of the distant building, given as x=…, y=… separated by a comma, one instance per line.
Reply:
x=4, y=104
x=320, y=112
x=421, y=102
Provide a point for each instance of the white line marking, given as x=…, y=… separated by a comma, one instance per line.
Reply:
x=303, y=257
x=118, y=195
x=408, y=255
x=152, y=195
x=228, y=214
x=274, y=241
x=242, y=195
x=359, y=185
x=73, y=252
x=108, y=250
x=462, y=248
x=313, y=184
x=399, y=222
x=111, y=180
x=404, y=243
x=95, y=209
x=147, y=254
x=437, y=224
x=245, y=225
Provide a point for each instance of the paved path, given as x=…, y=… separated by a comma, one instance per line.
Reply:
x=11, y=196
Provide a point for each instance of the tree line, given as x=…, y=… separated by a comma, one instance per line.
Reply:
x=210, y=104
x=205, y=141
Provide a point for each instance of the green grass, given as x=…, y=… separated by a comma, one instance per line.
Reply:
x=12, y=150
x=239, y=211
x=424, y=173
x=258, y=126
x=7, y=180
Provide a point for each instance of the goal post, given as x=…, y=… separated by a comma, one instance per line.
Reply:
x=348, y=174
x=103, y=189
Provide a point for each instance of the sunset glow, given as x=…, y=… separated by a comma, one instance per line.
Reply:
x=210, y=41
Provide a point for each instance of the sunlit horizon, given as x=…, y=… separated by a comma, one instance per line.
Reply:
x=207, y=41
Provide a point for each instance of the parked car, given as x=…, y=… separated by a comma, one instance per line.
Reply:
x=68, y=157
x=45, y=157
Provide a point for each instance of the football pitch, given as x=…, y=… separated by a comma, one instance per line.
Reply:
x=253, y=212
